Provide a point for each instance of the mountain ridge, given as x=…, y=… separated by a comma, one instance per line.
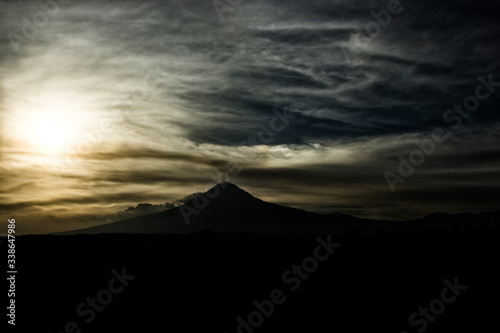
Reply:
x=228, y=208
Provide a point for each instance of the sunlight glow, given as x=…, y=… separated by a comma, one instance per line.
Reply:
x=51, y=134
x=48, y=126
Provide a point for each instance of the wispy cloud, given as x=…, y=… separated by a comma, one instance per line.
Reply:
x=183, y=89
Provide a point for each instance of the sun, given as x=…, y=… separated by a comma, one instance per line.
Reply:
x=46, y=133
x=49, y=127
x=51, y=135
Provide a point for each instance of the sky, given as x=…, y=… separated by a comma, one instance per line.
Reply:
x=378, y=109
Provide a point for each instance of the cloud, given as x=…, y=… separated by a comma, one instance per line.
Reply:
x=185, y=90
x=139, y=210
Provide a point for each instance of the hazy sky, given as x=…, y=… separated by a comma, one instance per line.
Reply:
x=107, y=104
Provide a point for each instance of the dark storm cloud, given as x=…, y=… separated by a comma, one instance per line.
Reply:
x=150, y=177
x=122, y=197
x=401, y=82
x=148, y=153
x=448, y=169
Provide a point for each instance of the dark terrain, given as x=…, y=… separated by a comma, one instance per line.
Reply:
x=203, y=282
x=210, y=272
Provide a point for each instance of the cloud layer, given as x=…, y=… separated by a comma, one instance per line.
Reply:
x=184, y=89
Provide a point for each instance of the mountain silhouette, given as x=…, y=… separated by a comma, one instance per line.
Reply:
x=228, y=208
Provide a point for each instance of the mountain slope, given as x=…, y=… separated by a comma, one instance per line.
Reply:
x=224, y=208
x=228, y=208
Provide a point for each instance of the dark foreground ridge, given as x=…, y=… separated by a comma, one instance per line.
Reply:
x=228, y=208
x=212, y=282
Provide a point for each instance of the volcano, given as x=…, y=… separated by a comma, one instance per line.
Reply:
x=227, y=208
